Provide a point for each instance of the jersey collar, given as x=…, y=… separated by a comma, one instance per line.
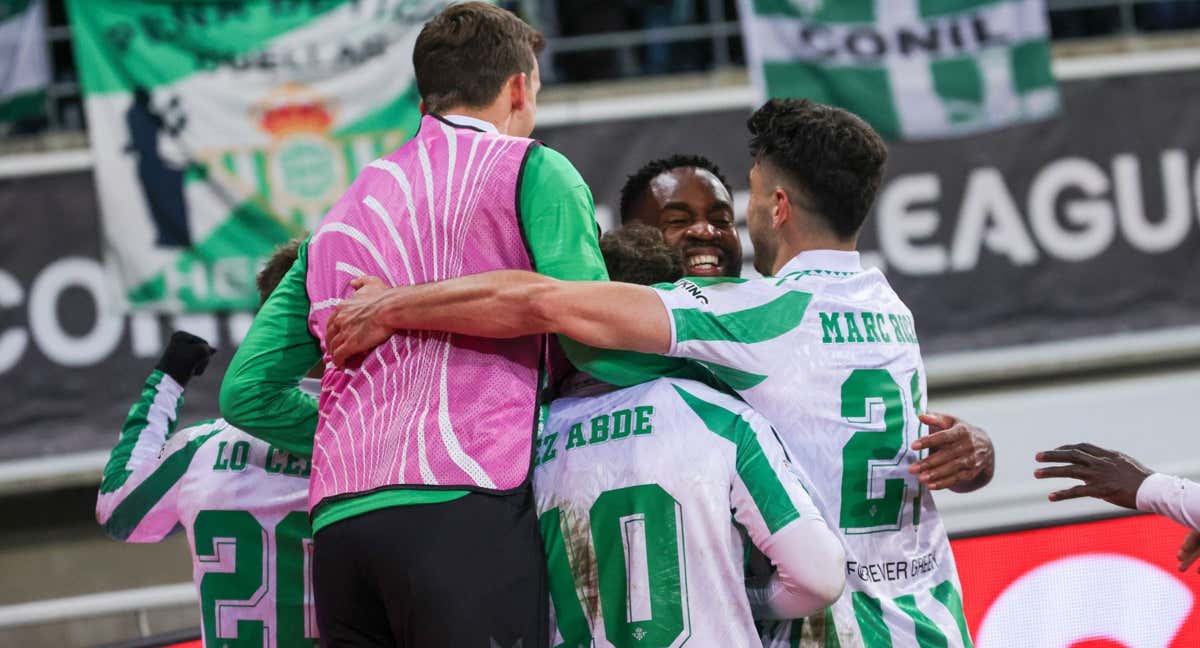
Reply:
x=832, y=261
x=471, y=122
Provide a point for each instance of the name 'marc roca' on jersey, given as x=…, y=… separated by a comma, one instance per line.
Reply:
x=643, y=495
x=242, y=504
x=828, y=353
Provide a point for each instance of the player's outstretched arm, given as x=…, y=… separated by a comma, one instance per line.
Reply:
x=961, y=456
x=1119, y=479
x=501, y=304
x=1111, y=476
x=136, y=502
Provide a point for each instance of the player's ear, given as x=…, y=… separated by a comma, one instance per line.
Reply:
x=518, y=91
x=782, y=211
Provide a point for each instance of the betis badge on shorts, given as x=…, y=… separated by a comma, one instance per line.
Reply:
x=914, y=69
x=220, y=130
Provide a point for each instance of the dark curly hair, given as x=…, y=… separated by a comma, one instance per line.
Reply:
x=833, y=157
x=277, y=265
x=636, y=253
x=637, y=183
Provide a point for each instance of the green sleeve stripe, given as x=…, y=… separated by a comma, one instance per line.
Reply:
x=757, y=324
x=928, y=633
x=737, y=379
x=626, y=368
x=117, y=471
x=753, y=468
x=259, y=393
x=948, y=596
x=134, y=508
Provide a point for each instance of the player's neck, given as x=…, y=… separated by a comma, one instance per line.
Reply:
x=794, y=242
x=494, y=114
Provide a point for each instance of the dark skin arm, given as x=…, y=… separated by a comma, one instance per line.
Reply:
x=1106, y=474
x=961, y=457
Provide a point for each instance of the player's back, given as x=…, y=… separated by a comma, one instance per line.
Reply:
x=243, y=506
x=635, y=489
x=443, y=205
x=828, y=353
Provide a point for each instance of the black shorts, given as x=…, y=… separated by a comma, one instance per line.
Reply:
x=459, y=574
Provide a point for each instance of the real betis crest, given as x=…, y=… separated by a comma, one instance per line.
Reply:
x=222, y=130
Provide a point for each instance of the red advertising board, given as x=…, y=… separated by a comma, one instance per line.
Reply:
x=1107, y=584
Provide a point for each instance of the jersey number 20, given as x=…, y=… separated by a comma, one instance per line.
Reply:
x=249, y=581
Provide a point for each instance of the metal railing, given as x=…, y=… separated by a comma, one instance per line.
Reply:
x=133, y=601
x=715, y=27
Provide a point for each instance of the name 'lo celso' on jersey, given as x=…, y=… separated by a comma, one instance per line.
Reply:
x=243, y=505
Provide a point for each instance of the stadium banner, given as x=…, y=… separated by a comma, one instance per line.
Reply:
x=915, y=69
x=1087, y=585
x=71, y=364
x=1054, y=231
x=222, y=129
x=24, y=66
x=1081, y=226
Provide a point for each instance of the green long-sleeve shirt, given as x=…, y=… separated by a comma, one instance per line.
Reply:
x=259, y=392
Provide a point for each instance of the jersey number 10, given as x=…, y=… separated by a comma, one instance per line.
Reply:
x=866, y=506
x=637, y=539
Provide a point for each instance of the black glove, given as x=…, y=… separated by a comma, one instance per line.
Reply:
x=186, y=356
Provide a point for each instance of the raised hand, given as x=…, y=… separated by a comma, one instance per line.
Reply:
x=186, y=355
x=354, y=327
x=1108, y=475
x=961, y=456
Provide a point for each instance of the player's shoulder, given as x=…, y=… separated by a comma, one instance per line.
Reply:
x=198, y=435
x=688, y=388
x=544, y=164
x=723, y=294
x=726, y=415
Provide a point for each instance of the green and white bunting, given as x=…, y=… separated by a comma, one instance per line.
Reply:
x=220, y=129
x=915, y=69
x=24, y=67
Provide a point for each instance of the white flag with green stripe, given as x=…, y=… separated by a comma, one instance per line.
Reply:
x=24, y=68
x=914, y=69
x=222, y=129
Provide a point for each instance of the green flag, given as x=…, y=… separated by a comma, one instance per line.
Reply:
x=914, y=69
x=220, y=130
x=24, y=69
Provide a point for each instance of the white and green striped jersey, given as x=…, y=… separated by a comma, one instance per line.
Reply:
x=635, y=490
x=243, y=505
x=828, y=353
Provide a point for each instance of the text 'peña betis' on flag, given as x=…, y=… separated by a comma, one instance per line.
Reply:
x=914, y=69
